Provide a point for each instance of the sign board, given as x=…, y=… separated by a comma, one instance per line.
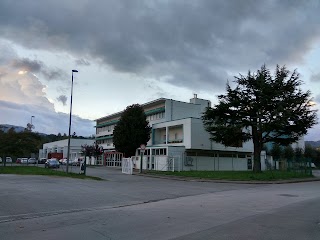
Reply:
x=142, y=148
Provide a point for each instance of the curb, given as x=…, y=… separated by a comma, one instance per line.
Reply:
x=188, y=179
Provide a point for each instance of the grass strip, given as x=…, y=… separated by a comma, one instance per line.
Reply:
x=31, y=170
x=237, y=175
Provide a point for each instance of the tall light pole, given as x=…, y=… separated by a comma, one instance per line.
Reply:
x=31, y=123
x=68, y=154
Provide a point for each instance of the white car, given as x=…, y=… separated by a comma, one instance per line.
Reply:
x=32, y=160
x=8, y=159
x=24, y=160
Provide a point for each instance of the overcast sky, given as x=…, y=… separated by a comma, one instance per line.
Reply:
x=135, y=51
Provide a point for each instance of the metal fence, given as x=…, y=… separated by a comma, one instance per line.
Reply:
x=297, y=165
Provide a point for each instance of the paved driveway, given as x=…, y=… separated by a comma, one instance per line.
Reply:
x=137, y=207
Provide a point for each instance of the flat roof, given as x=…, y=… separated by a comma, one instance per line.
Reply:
x=154, y=102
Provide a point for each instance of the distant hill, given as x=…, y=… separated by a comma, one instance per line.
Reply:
x=314, y=144
x=6, y=127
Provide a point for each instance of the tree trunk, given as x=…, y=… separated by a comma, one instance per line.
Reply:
x=256, y=150
x=257, y=158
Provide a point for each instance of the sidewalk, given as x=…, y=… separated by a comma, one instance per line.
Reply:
x=190, y=179
x=107, y=172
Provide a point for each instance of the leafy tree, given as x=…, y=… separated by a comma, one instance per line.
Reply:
x=263, y=108
x=92, y=150
x=131, y=131
x=276, y=151
x=298, y=153
x=310, y=152
x=288, y=153
x=89, y=151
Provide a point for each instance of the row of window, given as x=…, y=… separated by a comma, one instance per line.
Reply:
x=156, y=116
x=106, y=128
x=156, y=151
x=109, y=142
x=152, y=117
x=222, y=155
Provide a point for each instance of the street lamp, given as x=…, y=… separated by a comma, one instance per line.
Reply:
x=31, y=121
x=68, y=154
x=29, y=125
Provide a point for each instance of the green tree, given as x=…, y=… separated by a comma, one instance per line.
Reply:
x=263, y=108
x=288, y=153
x=298, y=153
x=131, y=131
x=310, y=152
x=276, y=151
x=92, y=150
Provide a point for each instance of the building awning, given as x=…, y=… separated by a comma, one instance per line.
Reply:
x=107, y=123
x=104, y=137
x=154, y=111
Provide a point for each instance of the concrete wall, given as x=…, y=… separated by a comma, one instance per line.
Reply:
x=203, y=163
x=201, y=139
x=177, y=110
x=62, y=147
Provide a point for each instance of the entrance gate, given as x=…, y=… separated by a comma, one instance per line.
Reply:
x=113, y=159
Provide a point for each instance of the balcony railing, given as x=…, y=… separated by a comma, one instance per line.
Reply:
x=169, y=141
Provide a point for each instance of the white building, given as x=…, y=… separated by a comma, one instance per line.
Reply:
x=178, y=139
x=60, y=148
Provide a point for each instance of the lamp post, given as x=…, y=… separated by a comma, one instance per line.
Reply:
x=142, y=149
x=31, y=120
x=68, y=153
x=31, y=126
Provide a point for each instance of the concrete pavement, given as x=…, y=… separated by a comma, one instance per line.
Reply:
x=138, y=207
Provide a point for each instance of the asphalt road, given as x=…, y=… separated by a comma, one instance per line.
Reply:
x=137, y=207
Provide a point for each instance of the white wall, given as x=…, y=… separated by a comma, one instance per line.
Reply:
x=62, y=147
x=178, y=110
x=205, y=163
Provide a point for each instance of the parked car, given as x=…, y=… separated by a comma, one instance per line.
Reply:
x=18, y=160
x=32, y=160
x=42, y=160
x=63, y=161
x=24, y=160
x=52, y=163
x=71, y=162
x=0, y=160
x=8, y=159
x=75, y=162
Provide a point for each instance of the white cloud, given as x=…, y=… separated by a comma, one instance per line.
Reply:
x=22, y=95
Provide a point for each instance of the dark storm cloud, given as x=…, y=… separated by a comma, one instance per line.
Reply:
x=27, y=65
x=56, y=74
x=83, y=62
x=62, y=99
x=36, y=66
x=195, y=43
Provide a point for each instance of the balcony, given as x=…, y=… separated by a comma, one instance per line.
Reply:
x=175, y=141
x=168, y=135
